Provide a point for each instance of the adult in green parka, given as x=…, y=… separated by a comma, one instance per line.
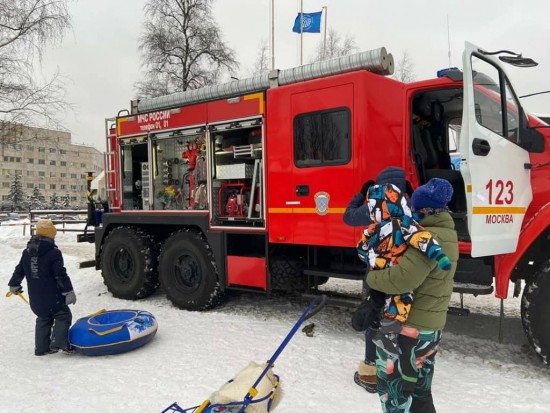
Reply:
x=404, y=384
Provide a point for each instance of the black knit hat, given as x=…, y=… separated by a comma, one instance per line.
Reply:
x=393, y=175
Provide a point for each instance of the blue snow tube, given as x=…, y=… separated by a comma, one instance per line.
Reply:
x=112, y=332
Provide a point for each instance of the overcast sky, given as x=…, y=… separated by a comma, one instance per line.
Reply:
x=100, y=61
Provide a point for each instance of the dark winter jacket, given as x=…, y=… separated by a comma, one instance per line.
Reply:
x=415, y=272
x=357, y=213
x=47, y=279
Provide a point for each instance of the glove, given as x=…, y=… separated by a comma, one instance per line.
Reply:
x=365, y=187
x=444, y=263
x=70, y=297
x=367, y=315
x=17, y=289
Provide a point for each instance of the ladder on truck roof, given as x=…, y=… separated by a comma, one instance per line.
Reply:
x=110, y=159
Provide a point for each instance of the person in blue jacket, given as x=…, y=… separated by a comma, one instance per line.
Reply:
x=50, y=289
x=365, y=317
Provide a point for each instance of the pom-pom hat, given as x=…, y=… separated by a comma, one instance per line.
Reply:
x=45, y=228
x=436, y=193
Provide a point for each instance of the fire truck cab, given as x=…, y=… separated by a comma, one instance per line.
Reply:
x=244, y=185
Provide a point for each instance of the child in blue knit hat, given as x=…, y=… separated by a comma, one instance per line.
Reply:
x=385, y=241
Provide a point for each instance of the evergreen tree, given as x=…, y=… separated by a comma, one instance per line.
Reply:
x=37, y=200
x=55, y=202
x=16, y=196
x=67, y=201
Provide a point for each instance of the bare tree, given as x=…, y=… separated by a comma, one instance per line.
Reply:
x=334, y=46
x=26, y=26
x=262, y=62
x=404, y=69
x=181, y=47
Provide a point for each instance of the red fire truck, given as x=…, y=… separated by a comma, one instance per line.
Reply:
x=243, y=185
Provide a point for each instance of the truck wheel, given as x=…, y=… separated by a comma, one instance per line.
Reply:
x=128, y=263
x=535, y=307
x=287, y=274
x=188, y=272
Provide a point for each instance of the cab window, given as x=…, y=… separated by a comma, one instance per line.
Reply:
x=322, y=138
x=496, y=105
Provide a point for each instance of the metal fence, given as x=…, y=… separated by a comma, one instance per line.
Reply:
x=60, y=216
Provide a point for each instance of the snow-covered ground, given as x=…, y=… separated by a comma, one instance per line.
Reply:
x=194, y=353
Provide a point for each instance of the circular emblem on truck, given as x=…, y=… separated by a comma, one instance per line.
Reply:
x=321, y=202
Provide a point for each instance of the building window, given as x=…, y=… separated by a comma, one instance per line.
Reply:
x=42, y=186
x=322, y=138
x=63, y=163
x=41, y=173
x=30, y=173
x=5, y=184
x=53, y=150
x=63, y=175
x=52, y=186
x=73, y=176
x=17, y=159
x=63, y=186
x=41, y=149
x=6, y=158
x=52, y=163
x=73, y=187
x=30, y=186
x=62, y=151
x=12, y=159
x=53, y=174
x=30, y=148
x=83, y=165
x=82, y=176
x=30, y=160
x=41, y=162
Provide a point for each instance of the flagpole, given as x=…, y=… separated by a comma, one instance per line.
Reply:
x=325, y=36
x=301, y=31
x=272, y=34
x=449, y=40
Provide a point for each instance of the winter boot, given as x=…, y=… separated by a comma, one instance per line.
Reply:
x=365, y=376
x=45, y=353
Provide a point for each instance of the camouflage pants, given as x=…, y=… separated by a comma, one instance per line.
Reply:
x=405, y=382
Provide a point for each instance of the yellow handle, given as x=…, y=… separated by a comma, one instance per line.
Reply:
x=19, y=294
x=203, y=406
x=104, y=333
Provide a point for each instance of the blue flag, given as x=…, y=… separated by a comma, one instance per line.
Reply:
x=311, y=23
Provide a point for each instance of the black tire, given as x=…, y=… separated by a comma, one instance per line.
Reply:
x=188, y=272
x=128, y=263
x=287, y=274
x=535, y=308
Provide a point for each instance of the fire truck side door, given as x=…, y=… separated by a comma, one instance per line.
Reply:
x=497, y=183
x=322, y=165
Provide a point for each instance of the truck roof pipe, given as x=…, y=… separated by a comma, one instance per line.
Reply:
x=376, y=61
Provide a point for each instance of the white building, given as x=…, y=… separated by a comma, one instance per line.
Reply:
x=45, y=159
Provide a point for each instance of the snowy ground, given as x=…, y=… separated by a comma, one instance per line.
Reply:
x=194, y=353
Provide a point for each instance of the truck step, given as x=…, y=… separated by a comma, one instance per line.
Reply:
x=88, y=237
x=87, y=264
x=475, y=289
x=462, y=312
x=348, y=275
